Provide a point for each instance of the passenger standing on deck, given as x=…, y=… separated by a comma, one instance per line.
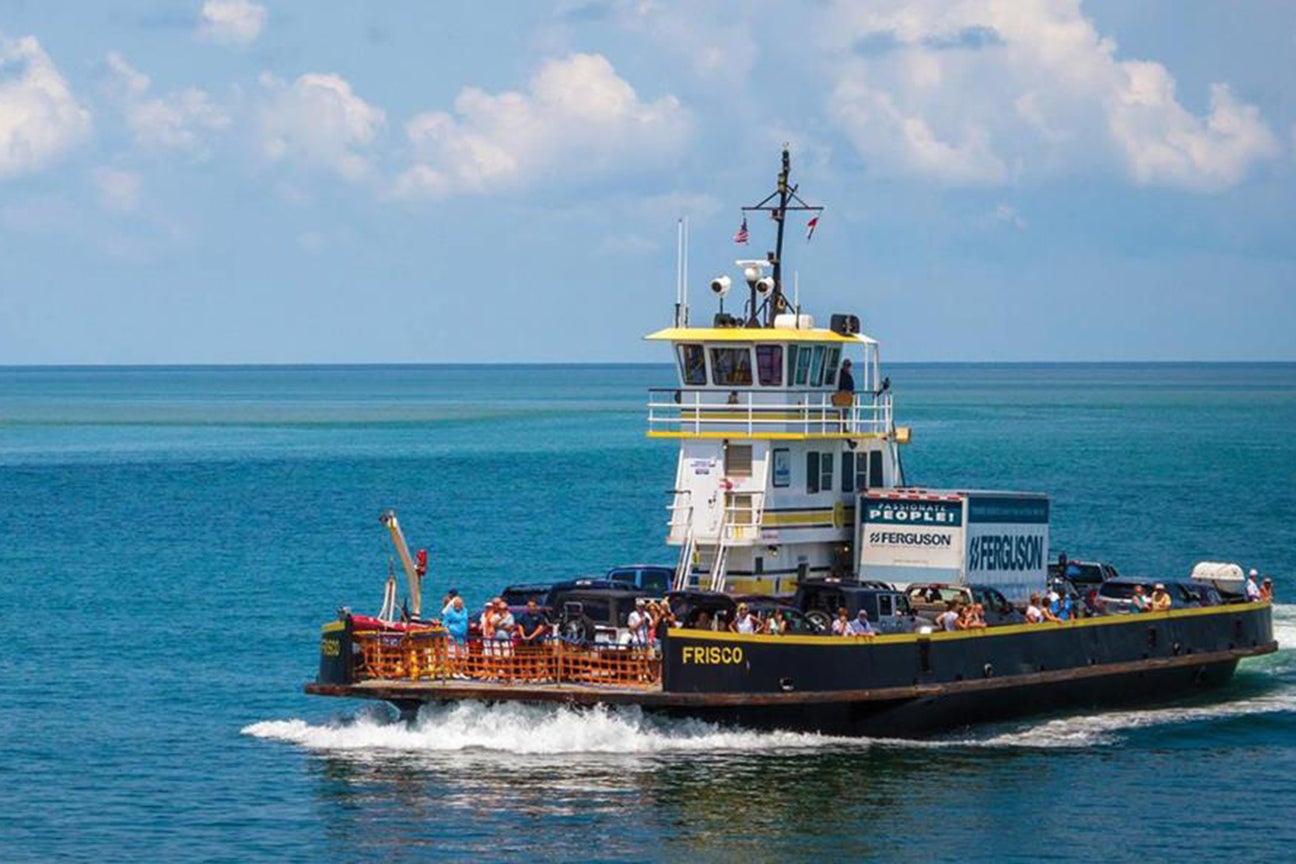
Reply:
x=948, y=620
x=455, y=619
x=1252, y=589
x=839, y=623
x=860, y=626
x=1160, y=598
x=638, y=622
x=1034, y=610
x=775, y=625
x=1140, y=602
x=532, y=627
x=1266, y=590
x=745, y=622
x=845, y=380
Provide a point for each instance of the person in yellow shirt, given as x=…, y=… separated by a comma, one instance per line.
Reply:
x=1160, y=598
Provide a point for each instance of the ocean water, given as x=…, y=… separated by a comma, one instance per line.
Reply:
x=172, y=538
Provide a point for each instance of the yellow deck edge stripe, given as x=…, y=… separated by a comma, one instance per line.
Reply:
x=948, y=635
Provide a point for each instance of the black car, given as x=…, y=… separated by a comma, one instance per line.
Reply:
x=1117, y=595
x=1084, y=574
x=655, y=578
x=888, y=609
x=689, y=607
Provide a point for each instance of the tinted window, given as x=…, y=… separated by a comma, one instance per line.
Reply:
x=622, y=577
x=731, y=367
x=598, y=609
x=812, y=472
x=830, y=365
x=848, y=471
x=520, y=598
x=803, y=365
x=769, y=365
x=826, y=472
x=693, y=365
x=885, y=607
x=1116, y=591
x=875, y=468
x=656, y=581
x=816, y=366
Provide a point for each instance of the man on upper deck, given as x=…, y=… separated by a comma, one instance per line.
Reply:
x=845, y=381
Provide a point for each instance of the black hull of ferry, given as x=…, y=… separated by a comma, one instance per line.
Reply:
x=922, y=716
x=913, y=686
x=896, y=686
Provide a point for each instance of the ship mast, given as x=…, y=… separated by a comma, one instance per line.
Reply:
x=777, y=204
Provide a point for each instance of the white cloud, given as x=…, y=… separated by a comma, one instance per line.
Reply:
x=183, y=120
x=576, y=118
x=988, y=91
x=319, y=121
x=1008, y=215
x=40, y=117
x=231, y=22
x=119, y=191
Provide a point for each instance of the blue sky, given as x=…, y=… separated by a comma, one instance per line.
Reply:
x=236, y=181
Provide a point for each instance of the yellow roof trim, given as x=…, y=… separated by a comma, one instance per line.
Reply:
x=744, y=435
x=753, y=334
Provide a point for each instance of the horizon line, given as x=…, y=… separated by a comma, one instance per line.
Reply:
x=379, y=364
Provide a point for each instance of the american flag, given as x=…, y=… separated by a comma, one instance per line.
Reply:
x=812, y=224
x=741, y=236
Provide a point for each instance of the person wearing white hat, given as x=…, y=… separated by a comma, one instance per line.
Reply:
x=1252, y=589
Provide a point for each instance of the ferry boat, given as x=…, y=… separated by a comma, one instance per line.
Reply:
x=789, y=477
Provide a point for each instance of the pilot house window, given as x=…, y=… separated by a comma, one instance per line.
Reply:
x=693, y=365
x=731, y=367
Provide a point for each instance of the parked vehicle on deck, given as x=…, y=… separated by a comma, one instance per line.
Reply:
x=1117, y=595
x=932, y=598
x=1084, y=574
x=595, y=612
x=888, y=609
x=650, y=577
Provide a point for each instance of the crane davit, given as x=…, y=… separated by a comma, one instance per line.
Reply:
x=414, y=571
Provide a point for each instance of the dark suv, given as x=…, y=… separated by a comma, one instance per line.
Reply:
x=888, y=609
x=590, y=611
x=655, y=578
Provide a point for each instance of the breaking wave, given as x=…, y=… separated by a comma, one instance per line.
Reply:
x=535, y=730
x=1266, y=686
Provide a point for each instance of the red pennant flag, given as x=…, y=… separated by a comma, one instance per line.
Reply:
x=812, y=224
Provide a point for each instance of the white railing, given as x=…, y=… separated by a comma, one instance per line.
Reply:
x=756, y=412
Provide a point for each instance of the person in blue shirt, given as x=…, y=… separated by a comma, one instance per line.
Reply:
x=454, y=617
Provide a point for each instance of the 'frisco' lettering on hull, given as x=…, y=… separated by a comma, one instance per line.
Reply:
x=712, y=655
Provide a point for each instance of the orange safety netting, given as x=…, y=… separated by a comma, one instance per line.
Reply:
x=432, y=655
